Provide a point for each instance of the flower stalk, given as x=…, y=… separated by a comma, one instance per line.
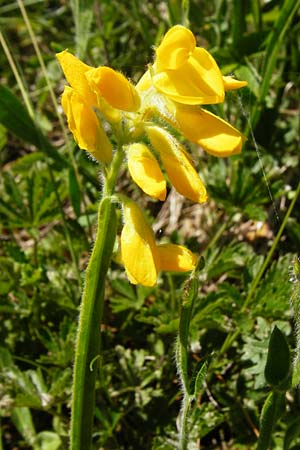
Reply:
x=99, y=102
x=186, y=310
x=88, y=344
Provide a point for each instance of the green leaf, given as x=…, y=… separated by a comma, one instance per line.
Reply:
x=26, y=162
x=14, y=192
x=124, y=288
x=75, y=191
x=200, y=377
x=22, y=420
x=83, y=16
x=47, y=440
x=14, y=116
x=278, y=361
x=273, y=408
x=7, y=279
x=280, y=27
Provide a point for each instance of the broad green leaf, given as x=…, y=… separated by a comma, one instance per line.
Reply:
x=14, y=116
x=278, y=361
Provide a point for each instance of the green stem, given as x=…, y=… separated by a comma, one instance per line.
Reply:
x=88, y=344
x=184, y=437
x=269, y=416
x=190, y=294
x=219, y=233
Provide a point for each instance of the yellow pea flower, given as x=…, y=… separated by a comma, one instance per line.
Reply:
x=102, y=81
x=186, y=76
x=231, y=83
x=114, y=87
x=75, y=71
x=142, y=258
x=85, y=126
x=212, y=133
x=101, y=89
x=145, y=171
x=178, y=165
x=185, y=73
x=175, y=258
x=138, y=246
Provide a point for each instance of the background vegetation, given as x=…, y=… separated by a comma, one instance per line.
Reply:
x=49, y=191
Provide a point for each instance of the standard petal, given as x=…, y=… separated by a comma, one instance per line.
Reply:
x=209, y=72
x=178, y=165
x=198, y=81
x=213, y=134
x=175, y=258
x=85, y=126
x=145, y=171
x=138, y=249
x=175, y=48
x=114, y=87
x=74, y=71
x=231, y=83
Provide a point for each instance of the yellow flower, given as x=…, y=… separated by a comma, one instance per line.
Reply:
x=145, y=171
x=185, y=76
x=114, y=87
x=85, y=126
x=186, y=73
x=101, y=89
x=212, y=133
x=178, y=164
x=140, y=254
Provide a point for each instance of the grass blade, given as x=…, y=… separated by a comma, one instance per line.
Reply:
x=280, y=28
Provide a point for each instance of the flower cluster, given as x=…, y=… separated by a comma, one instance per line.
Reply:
x=169, y=95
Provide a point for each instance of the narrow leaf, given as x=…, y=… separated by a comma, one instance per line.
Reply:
x=75, y=191
x=287, y=11
x=200, y=377
x=272, y=410
x=83, y=16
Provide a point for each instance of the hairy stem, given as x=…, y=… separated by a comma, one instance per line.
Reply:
x=190, y=294
x=269, y=416
x=88, y=348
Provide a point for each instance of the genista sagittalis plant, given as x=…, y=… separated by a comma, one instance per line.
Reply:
x=102, y=107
